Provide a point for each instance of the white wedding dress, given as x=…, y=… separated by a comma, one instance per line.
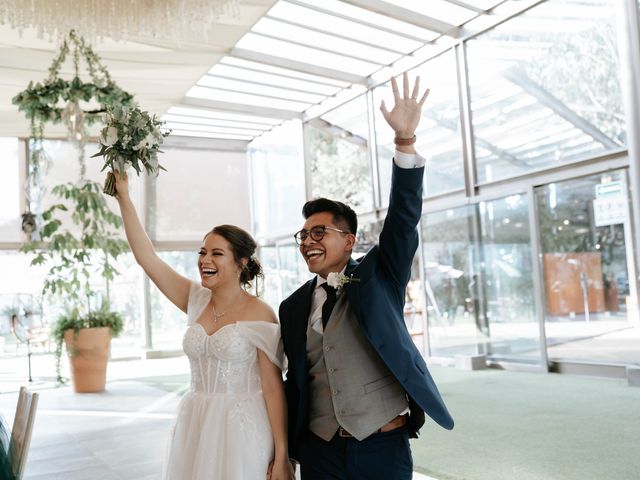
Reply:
x=222, y=430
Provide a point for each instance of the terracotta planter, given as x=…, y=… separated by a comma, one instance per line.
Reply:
x=88, y=356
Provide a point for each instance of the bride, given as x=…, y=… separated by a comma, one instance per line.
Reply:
x=231, y=424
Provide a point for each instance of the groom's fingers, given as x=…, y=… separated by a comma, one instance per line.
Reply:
x=424, y=97
x=383, y=109
x=394, y=89
x=405, y=85
x=416, y=89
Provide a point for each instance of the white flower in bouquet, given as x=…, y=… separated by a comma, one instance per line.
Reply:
x=109, y=136
x=130, y=138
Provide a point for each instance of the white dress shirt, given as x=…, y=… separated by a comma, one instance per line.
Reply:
x=402, y=160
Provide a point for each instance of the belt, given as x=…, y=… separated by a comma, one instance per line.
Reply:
x=399, y=421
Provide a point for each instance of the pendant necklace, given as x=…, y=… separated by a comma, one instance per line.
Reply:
x=217, y=315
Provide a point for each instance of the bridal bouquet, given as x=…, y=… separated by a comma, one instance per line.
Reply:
x=130, y=137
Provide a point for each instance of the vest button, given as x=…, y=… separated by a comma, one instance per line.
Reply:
x=331, y=370
x=334, y=391
x=327, y=348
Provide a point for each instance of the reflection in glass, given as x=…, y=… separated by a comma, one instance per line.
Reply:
x=293, y=269
x=284, y=271
x=453, y=305
x=438, y=137
x=338, y=152
x=506, y=279
x=585, y=234
x=545, y=88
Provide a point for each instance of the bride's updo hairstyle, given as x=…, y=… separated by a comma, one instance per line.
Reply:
x=243, y=246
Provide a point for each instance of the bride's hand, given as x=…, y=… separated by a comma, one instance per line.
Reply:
x=280, y=470
x=122, y=184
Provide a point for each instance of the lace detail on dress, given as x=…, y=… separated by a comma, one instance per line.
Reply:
x=224, y=416
x=225, y=362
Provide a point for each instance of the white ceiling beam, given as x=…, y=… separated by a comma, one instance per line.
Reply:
x=355, y=20
x=467, y=5
x=404, y=15
x=497, y=15
x=297, y=66
x=240, y=108
x=203, y=143
x=335, y=35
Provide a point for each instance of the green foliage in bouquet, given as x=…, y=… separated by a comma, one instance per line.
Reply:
x=131, y=137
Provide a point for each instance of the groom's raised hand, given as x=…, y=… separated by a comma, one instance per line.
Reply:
x=405, y=115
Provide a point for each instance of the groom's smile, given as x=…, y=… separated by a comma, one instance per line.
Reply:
x=332, y=251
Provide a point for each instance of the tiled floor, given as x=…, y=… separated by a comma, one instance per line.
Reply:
x=116, y=435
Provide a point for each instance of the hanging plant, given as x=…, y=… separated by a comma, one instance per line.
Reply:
x=57, y=100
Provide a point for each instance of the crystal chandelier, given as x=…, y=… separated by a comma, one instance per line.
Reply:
x=178, y=20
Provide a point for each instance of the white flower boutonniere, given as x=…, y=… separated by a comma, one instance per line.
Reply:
x=338, y=280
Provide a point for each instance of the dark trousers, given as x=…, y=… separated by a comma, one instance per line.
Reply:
x=382, y=456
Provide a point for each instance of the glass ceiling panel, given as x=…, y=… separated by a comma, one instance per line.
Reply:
x=205, y=113
x=223, y=136
x=257, y=89
x=211, y=122
x=245, y=99
x=270, y=79
x=285, y=72
x=545, y=96
x=438, y=9
x=375, y=19
x=302, y=54
x=341, y=26
x=211, y=129
x=286, y=31
x=335, y=35
x=483, y=4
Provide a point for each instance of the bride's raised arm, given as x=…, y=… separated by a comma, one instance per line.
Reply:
x=173, y=285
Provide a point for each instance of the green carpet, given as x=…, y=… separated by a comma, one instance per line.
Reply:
x=526, y=426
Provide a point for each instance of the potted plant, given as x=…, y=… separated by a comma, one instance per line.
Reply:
x=78, y=238
x=87, y=338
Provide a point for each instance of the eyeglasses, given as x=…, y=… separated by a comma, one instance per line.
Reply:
x=316, y=233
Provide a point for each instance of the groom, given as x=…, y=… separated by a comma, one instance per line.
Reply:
x=357, y=387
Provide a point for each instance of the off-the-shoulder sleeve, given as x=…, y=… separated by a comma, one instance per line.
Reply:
x=266, y=337
x=198, y=299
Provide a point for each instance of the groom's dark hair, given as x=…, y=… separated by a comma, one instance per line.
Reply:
x=342, y=214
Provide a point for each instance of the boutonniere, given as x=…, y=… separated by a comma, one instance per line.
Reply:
x=338, y=280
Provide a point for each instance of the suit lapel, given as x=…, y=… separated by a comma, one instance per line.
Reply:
x=299, y=320
x=351, y=289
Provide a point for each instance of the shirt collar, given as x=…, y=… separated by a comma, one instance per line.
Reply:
x=320, y=280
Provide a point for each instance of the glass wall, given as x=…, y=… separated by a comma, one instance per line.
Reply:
x=506, y=278
x=438, y=138
x=585, y=233
x=168, y=322
x=545, y=88
x=337, y=144
x=10, y=194
x=453, y=303
x=277, y=180
x=199, y=190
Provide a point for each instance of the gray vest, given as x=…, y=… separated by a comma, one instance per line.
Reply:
x=349, y=386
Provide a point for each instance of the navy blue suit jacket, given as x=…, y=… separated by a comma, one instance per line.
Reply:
x=377, y=299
